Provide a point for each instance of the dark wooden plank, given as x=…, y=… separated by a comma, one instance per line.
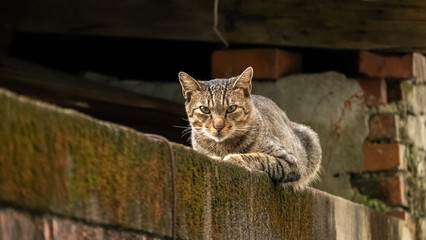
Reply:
x=138, y=111
x=352, y=24
x=25, y=73
x=10, y=11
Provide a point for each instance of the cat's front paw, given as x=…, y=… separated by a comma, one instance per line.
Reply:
x=236, y=159
x=216, y=157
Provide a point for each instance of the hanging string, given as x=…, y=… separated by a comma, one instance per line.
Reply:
x=173, y=178
x=215, y=23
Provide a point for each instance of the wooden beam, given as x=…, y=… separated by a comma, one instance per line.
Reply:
x=144, y=113
x=23, y=73
x=354, y=24
x=9, y=13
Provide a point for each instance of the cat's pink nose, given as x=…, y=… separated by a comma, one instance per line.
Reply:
x=218, y=124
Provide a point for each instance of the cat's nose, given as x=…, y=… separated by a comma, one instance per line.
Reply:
x=218, y=124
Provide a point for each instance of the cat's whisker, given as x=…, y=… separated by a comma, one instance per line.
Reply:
x=241, y=129
x=176, y=126
x=263, y=139
x=188, y=130
x=185, y=133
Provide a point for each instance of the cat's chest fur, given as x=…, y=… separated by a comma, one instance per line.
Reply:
x=231, y=124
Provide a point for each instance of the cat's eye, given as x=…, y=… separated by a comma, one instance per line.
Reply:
x=205, y=110
x=231, y=108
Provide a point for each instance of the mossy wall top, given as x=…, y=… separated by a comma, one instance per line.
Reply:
x=61, y=162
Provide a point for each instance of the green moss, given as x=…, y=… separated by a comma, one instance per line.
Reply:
x=66, y=163
x=28, y=165
x=377, y=205
x=412, y=156
x=373, y=203
x=191, y=189
x=73, y=165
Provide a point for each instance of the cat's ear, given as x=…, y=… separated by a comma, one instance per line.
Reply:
x=188, y=84
x=244, y=80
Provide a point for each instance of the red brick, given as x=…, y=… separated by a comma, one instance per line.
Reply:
x=389, y=190
x=378, y=157
x=408, y=66
x=393, y=90
x=394, y=187
x=419, y=68
x=384, y=127
x=374, y=90
x=401, y=214
x=379, y=66
x=268, y=63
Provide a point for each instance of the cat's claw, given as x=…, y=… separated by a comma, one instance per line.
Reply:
x=236, y=159
x=216, y=157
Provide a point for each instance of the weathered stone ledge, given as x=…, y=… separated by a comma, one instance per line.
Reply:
x=64, y=163
x=18, y=224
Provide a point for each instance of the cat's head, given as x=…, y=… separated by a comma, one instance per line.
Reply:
x=220, y=108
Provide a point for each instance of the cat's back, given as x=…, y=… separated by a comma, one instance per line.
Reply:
x=274, y=122
x=268, y=108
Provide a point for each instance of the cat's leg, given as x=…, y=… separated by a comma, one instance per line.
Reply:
x=311, y=144
x=216, y=157
x=282, y=169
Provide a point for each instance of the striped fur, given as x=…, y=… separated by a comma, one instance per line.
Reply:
x=229, y=123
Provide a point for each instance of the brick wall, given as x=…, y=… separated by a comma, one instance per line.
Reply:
x=394, y=151
x=391, y=173
x=66, y=175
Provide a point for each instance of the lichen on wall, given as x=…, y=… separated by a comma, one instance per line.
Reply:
x=62, y=169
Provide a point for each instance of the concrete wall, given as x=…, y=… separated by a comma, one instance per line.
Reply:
x=63, y=173
x=372, y=129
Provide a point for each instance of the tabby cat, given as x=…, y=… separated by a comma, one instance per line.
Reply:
x=231, y=124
